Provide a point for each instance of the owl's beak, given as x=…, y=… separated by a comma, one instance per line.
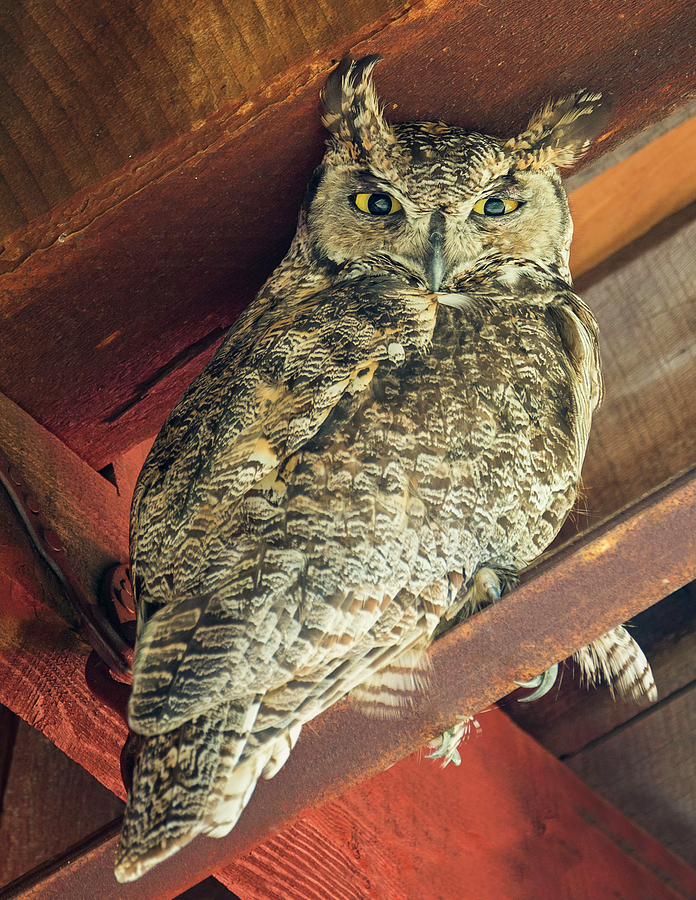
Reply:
x=435, y=264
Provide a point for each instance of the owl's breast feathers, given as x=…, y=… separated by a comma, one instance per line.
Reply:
x=356, y=444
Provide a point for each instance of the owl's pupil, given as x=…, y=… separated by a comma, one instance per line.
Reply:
x=379, y=204
x=494, y=207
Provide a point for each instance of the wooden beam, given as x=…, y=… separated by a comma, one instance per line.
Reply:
x=626, y=201
x=88, y=89
x=114, y=298
x=641, y=760
x=42, y=660
x=645, y=430
x=512, y=822
x=651, y=762
x=50, y=803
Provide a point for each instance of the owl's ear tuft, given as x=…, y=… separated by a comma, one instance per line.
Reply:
x=351, y=108
x=560, y=132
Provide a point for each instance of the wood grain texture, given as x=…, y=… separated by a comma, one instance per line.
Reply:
x=41, y=660
x=511, y=822
x=625, y=202
x=125, y=286
x=42, y=675
x=85, y=509
x=50, y=803
x=647, y=766
x=645, y=430
x=648, y=770
x=640, y=760
x=88, y=86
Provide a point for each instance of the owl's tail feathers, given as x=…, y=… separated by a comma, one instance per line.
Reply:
x=195, y=780
x=174, y=775
x=264, y=756
x=617, y=659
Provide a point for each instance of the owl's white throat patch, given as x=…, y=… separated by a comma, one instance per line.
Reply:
x=456, y=301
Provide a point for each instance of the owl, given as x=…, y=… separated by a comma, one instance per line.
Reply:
x=387, y=435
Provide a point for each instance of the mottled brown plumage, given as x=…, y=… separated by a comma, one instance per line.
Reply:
x=393, y=429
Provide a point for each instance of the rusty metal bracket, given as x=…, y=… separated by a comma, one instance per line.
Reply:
x=96, y=628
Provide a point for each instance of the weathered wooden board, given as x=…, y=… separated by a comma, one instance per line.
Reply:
x=49, y=804
x=42, y=660
x=90, y=86
x=641, y=760
x=85, y=509
x=113, y=298
x=512, y=822
x=624, y=202
x=648, y=769
x=645, y=430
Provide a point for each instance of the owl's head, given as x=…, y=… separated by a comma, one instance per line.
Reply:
x=432, y=200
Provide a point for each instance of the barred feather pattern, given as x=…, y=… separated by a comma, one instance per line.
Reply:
x=617, y=659
x=559, y=133
x=372, y=451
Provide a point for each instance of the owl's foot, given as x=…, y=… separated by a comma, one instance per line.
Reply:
x=615, y=658
x=445, y=746
x=543, y=684
x=487, y=585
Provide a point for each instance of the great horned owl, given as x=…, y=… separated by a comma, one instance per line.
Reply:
x=392, y=429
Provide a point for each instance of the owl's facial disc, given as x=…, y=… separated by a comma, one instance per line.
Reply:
x=433, y=221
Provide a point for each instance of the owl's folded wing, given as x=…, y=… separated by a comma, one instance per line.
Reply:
x=192, y=630
x=265, y=396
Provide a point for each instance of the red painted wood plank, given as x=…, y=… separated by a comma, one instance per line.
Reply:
x=50, y=803
x=42, y=660
x=511, y=823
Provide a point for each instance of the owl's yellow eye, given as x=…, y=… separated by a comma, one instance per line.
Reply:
x=377, y=204
x=495, y=206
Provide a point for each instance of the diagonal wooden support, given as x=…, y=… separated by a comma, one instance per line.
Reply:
x=42, y=660
x=511, y=823
x=589, y=586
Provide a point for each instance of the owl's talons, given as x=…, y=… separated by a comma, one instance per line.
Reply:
x=488, y=584
x=445, y=746
x=447, y=751
x=543, y=684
